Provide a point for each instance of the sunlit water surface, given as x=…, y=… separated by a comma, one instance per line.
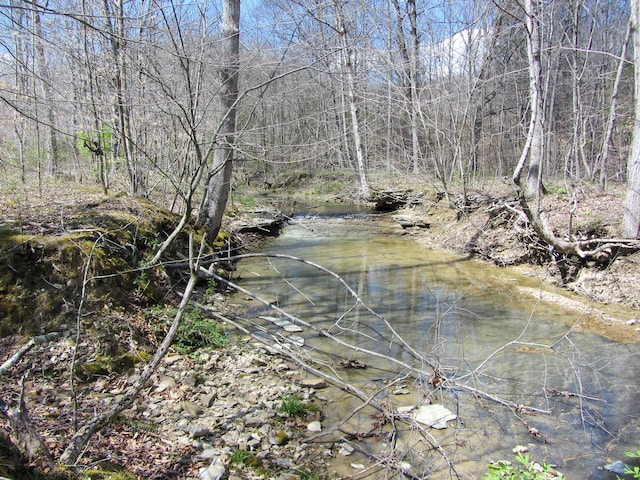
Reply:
x=462, y=315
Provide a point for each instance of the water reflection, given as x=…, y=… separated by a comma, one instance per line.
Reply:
x=470, y=319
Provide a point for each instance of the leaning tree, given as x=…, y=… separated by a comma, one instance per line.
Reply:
x=530, y=188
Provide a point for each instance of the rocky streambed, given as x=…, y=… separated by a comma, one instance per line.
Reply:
x=219, y=403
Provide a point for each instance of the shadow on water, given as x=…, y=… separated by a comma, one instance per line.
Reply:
x=471, y=321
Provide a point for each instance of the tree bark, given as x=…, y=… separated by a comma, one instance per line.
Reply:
x=349, y=71
x=534, y=146
x=116, y=33
x=613, y=112
x=219, y=179
x=52, y=148
x=631, y=217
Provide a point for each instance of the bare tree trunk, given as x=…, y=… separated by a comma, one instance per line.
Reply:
x=123, y=115
x=606, y=141
x=52, y=150
x=534, y=151
x=219, y=178
x=410, y=58
x=534, y=147
x=631, y=218
x=18, y=24
x=349, y=71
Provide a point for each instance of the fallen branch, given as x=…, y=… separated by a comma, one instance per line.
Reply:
x=79, y=441
x=16, y=357
x=28, y=439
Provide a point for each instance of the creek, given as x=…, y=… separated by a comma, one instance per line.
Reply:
x=470, y=319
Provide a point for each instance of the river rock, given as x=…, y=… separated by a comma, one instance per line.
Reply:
x=191, y=408
x=314, y=426
x=207, y=455
x=401, y=391
x=254, y=421
x=200, y=431
x=405, y=409
x=259, y=362
x=316, y=383
x=230, y=438
x=216, y=471
x=346, y=449
x=165, y=382
x=277, y=437
x=616, y=467
x=207, y=399
x=435, y=416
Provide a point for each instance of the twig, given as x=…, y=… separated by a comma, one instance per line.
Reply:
x=16, y=357
x=78, y=442
x=27, y=435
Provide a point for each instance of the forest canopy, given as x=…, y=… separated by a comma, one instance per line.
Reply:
x=124, y=93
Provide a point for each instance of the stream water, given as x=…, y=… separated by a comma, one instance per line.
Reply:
x=469, y=319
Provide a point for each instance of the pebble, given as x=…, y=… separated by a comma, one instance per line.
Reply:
x=191, y=408
x=314, y=426
x=200, y=431
x=346, y=450
x=312, y=383
x=234, y=406
x=216, y=471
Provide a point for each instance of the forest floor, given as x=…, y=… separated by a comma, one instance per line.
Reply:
x=166, y=434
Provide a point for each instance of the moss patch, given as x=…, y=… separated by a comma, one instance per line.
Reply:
x=97, y=250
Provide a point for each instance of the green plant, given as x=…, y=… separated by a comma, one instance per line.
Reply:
x=292, y=406
x=212, y=285
x=196, y=332
x=136, y=424
x=635, y=471
x=243, y=457
x=244, y=199
x=305, y=474
x=141, y=282
x=527, y=470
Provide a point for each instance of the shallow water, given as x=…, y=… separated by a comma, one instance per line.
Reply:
x=469, y=319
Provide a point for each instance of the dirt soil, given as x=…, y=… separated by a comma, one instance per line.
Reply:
x=42, y=280
x=490, y=229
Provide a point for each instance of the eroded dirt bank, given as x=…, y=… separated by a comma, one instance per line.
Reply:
x=490, y=229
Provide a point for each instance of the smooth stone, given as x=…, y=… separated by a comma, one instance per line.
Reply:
x=314, y=426
x=616, y=467
x=254, y=422
x=435, y=416
x=207, y=399
x=258, y=362
x=312, y=383
x=165, y=382
x=405, y=409
x=286, y=325
x=191, y=408
x=207, y=454
x=346, y=449
x=171, y=359
x=200, y=431
x=216, y=471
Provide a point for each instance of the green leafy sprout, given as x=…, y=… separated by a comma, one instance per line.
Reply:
x=526, y=470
